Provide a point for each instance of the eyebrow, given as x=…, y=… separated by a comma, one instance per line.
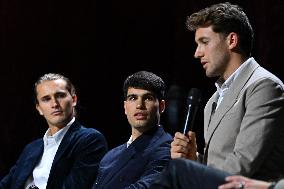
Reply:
x=48, y=95
x=130, y=95
x=202, y=38
x=145, y=94
x=44, y=97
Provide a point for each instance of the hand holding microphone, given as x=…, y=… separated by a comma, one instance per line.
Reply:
x=184, y=144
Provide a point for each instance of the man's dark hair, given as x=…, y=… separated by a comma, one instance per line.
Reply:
x=147, y=81
x=50, y=77
x=225, y=18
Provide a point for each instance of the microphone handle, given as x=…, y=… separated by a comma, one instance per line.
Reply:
x=186, y=125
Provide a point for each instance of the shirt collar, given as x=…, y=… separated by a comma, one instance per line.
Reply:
x=221, y=85
x=58, y=136
x=129, y=141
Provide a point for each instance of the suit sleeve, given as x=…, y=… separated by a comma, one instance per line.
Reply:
x=86, y=161
x=6, y=182
x=17, y=170
x=261, y=128
x=159, y=159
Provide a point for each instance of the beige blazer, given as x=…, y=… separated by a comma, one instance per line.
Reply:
x=245, y=135
x=280, y=184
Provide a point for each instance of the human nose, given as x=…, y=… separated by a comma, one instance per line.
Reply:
x=198, y=52
x=139, y=103
x=54, y=102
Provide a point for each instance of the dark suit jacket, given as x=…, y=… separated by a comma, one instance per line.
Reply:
x=137, y=165
x=74, y=166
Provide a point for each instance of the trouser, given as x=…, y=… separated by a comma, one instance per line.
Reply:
x=186, y=174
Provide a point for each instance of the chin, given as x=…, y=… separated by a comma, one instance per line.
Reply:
x=139, y=125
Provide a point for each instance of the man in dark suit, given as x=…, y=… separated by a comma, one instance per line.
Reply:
x=68, y=155
x=136, y=163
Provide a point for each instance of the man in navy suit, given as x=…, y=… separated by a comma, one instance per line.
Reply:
x=136, y=163
x=69, y=154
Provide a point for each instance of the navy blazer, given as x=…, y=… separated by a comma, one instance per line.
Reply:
x=74, y=166
x=137, y=165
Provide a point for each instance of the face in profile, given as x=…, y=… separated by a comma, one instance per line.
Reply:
x=142, y=108
x=55, y=102
x=212, y=50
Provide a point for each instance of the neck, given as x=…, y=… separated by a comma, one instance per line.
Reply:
x=54, y=129
x=236, y=60
x=136, y=132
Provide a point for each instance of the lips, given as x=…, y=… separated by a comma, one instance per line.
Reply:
x=56, y=113
x=204, y=63
x=140, y=116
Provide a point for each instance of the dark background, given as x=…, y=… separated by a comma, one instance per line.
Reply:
x=97, y=44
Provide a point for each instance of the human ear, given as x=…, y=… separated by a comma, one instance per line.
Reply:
x=232, y=40
x=162, y=106
x=39, y=109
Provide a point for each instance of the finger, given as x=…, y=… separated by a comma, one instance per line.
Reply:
x=181, y=136
x=236, y=178
x=177, y=155
x=179, y=149
x=230, y=185
x=191, y=134
x=179, y=142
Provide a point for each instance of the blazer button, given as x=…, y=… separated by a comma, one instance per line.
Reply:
x=121, y=179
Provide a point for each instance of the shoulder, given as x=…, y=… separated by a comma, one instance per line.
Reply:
x=113, y=153
x=116, y=150
x=86, y=136
x=265, y=87
x=31, y=149
x=161, y=144
x=264, y=84
x=85, y=132
x=262, y=75
x=34, y=144
x=164, y=137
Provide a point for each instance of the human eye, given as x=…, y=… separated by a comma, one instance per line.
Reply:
x=45, y=99
x=131, y=98
x=149, y=98
x=204, y=41
x=61, y=95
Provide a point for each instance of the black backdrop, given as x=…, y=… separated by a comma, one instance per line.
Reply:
x=97, y=44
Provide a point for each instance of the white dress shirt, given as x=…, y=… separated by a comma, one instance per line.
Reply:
x=51, y=143
x=222, y=87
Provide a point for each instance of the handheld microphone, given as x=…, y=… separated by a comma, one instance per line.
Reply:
x=193, y=102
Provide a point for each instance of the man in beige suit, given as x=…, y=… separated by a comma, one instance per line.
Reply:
x=244, y=118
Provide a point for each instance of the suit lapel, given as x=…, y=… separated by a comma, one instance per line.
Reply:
x=209, y=110
x=124, y=154
x=65, y=143
x=139, y=146
x=230, y=98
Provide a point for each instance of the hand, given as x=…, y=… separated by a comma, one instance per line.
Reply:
x=240, y=182
x=184, y=146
